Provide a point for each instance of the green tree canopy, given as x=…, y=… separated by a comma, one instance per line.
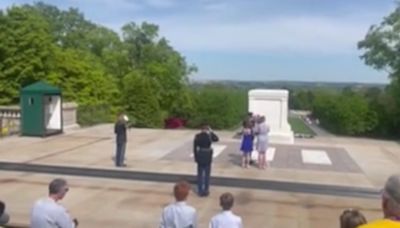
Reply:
x=381, y=47
x=25, y=51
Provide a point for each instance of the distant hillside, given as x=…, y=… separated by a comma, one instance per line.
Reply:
x=292, y=85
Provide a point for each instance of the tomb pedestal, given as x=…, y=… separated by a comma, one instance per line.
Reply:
x=273, y=104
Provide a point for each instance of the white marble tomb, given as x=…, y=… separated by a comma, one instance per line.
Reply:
x=273, y=104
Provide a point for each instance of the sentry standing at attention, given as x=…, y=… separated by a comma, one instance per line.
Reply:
x=203, y=154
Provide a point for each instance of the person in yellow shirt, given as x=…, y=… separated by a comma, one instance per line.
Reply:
x=390, y=205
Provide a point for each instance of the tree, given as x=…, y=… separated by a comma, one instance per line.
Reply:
x=140, y=101
x=69, y=28
x=82, y=78
x=93, y=66
x=164, y=67
x=348, y=114
x=25, y=51
x=381, y=46
x=382, y=43
x=302, y=100
x=218, y=106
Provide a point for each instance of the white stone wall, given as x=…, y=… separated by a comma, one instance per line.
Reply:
x=11, y=115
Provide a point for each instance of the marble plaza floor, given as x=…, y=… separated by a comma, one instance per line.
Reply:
x=114, y=202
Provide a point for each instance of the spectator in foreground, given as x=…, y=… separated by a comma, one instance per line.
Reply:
x=390, y=205
x=351, y=218
x=4, y=217
x=48, y=213
x=226, y=219
x=179, y=214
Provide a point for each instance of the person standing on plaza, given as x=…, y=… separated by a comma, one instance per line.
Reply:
x=203, y=155
x=262, y=142
x=121, y=139
x=246, y=145
x=253, y=124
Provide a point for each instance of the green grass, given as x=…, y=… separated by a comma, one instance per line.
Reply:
x=299, y=127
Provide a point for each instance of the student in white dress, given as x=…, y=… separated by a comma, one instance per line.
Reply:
x=179, y=214
x=226, y=218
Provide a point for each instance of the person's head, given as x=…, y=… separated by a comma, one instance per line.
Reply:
x=391, y=197
x=205, y=127
x=181, y=190
x=352, y=218
x=261, y=119
x=122, y=117
x=247, y=124
x=226, y=201
x=58, y=188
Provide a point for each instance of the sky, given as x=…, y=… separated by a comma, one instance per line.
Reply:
x=267, y=40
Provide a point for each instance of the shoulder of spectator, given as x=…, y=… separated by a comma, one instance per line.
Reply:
x=193, y=209
x=2, y=208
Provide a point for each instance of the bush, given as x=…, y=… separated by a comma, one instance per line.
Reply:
x=218, y=106
x=345, y=114
x=140, y=101
x=95, y=114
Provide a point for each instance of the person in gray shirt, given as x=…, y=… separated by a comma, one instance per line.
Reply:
x=48, y=213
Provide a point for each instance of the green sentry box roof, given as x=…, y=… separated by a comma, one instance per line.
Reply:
x=42, y=88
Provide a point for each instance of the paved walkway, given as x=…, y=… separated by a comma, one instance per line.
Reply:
x=115, y=203
x=331, y=161
x=320, y=131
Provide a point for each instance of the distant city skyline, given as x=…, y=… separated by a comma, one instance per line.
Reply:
x=261, y=40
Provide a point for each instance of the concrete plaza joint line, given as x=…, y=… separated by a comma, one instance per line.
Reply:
x=215, y=181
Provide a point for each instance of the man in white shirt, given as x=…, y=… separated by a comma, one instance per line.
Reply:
x=179, y=214
x=48, y=213
x=226, y=219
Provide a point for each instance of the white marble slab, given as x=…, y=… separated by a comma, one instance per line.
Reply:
x=319, y=157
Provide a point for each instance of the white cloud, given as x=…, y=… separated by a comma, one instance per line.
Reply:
x=161, y=3
x=213, y=26
x=220, y=26
x=110, y=4
x=297, y=34
x=216, y=6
